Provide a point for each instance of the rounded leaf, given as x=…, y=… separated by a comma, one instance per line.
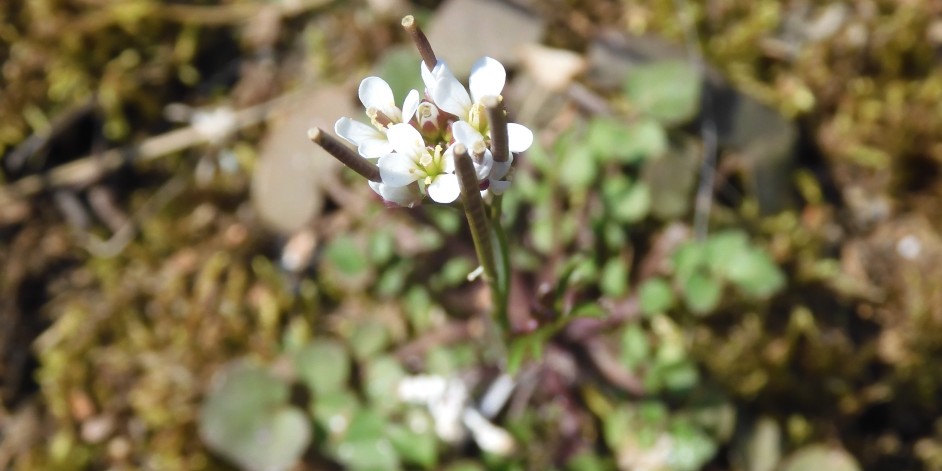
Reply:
x=246, y=419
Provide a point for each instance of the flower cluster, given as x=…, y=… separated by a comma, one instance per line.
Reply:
x=413, y=146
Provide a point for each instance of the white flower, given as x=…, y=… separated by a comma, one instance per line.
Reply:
x=412, y=161
x=377, y=97
x=407, y=196
x=487, y=78
x=450, y=404
x=519, y=140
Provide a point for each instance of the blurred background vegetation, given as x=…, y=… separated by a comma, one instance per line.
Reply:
x=188, y=283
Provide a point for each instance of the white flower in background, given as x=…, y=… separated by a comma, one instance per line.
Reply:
x=377, y=97
x=449, y=403
x=412, y=161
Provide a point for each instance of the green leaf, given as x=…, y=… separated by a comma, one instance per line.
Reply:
x=691, y=448
x=418, y=306
x=365, y=445
x=635, y=347
x=615, y=236
x=539, y=157
x=668, y=91
x=393, y=279
x=588, y=461
x=543, y=233
x=447, y=360
x=577, y=168
x=368, y=339
x=644, y=139
x=702, y=293
x=626, y=143
x=619, y=424
x=397, y=67
x=626, y=201
x=382, y=246
x=464, y=466
x=344, y=254
x=529, y=346
x=679, y=377
x=382, y=378
x=754, y=273
x=604, y=138
x=246, y=418
x=414, y=448
x=334, y=411
x=366, y=425
x=655, y=295
x=688, y=259
x=323, y=366
x=454, y=272
x=445, y=218
x=723, y=246
x=614, y=279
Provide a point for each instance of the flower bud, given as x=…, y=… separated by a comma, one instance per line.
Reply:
x=429, y=122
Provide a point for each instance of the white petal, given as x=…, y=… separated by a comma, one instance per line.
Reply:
x=450, y=95
x=375, y=93
x=430, y=78
x=498, y=187
x=449, y=160
x=483, y=169
x=353, y=131
x=444, y=188
x=406, y=139
x=488, y=436
x=397, y=169
x=519, y=138
x=500, y=169
x=421, y=389
x=410, y=106
x=371, y=142
x=407, y=196
x=487, y=78
x=374, y=148
x=465, y=133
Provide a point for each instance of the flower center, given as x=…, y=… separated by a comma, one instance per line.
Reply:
x=378, y=118
x=431, y=163
x=477, y=118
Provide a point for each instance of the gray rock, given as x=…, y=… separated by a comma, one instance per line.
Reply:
x=462, y=31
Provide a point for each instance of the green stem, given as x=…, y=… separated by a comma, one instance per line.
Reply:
x=500, y=288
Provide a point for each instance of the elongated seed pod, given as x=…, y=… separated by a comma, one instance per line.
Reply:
x=345, y=155
x=474, y=210
x=421, y=42
x=497, y=117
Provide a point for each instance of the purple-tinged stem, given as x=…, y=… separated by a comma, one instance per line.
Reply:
x=345, y=155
